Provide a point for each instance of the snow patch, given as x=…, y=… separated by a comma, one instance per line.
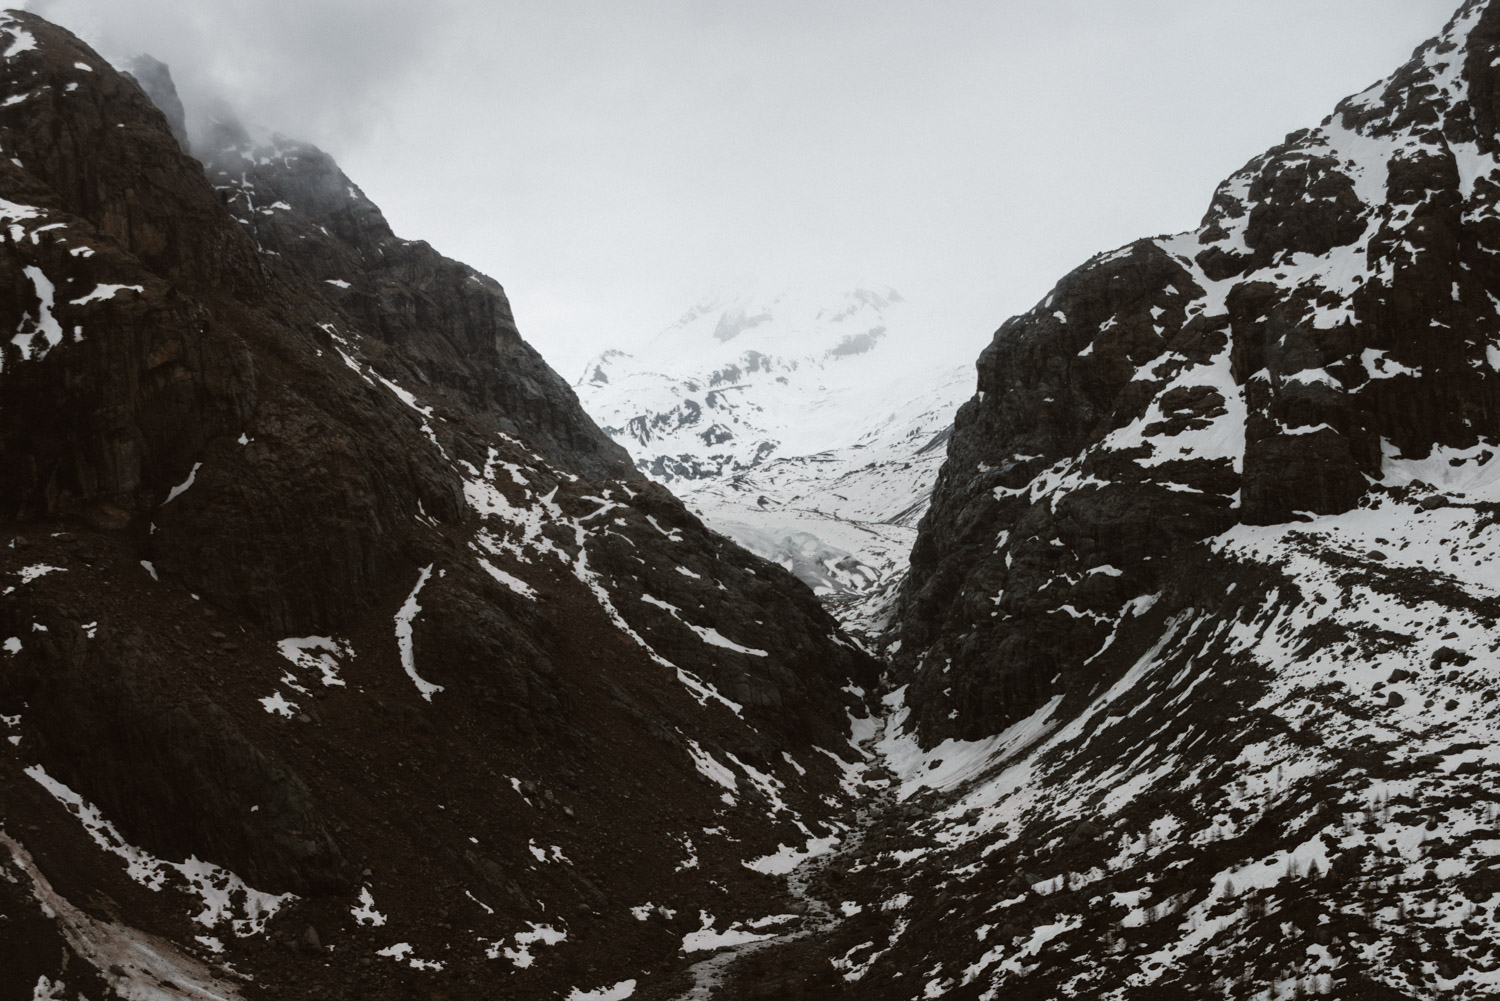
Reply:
x=182, y=487
x=404, y=642
x=364, y=912
x=103, y=292
x=784, y=861
x=619, y=992
x=706, y=939
x=316, y=653
x=225, y=898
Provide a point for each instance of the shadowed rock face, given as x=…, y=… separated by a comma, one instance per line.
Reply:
x=1201, y=631
x=446, y=326
x=311, y=569
x=155, y=79
x=1331, y=312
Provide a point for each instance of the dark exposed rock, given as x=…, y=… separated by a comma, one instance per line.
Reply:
x=1237, y=374
x=444, y=325
x=271, y=422
x=156, y=80
x=170, y=764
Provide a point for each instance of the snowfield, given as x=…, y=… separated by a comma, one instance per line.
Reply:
x=799, y=425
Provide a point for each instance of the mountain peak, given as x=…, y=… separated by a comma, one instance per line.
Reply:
x=155, y=78
x=328, y=618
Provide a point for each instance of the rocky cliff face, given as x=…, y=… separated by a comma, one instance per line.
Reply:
x=1200, y=628
x=340, y=653
x=1329, y=321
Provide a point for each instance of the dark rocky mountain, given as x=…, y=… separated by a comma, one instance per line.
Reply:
x=341, y=655
x=1328, y=326
x=1200, y=626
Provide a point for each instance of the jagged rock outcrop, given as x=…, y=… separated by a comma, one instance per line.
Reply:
x=155, y=79
x=1200, y=631
x=324, y=605
x=443, y=324
x=1330, y=314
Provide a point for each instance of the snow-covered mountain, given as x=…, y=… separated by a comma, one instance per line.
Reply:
x=342, y=655
x=807, y=427
x=1199, y=641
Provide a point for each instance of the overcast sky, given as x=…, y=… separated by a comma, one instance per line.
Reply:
x=610, y=163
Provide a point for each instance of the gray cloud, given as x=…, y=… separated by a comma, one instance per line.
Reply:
x=319, y=70
x=611, y=162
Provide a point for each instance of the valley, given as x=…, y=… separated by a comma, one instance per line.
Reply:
x=347, y=650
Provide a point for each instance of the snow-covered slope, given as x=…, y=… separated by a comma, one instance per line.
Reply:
x=1200, y=634
x=1287, y=789
x=808, y=428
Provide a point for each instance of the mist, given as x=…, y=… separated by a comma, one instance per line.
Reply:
x=612, y=164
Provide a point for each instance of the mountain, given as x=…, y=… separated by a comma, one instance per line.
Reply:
x=341, y=654
x=798, y=425
x=1200, y=629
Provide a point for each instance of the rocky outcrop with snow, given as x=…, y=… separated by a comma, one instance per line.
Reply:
x=1328, y=325
x=341, y=654
x=1200, y=629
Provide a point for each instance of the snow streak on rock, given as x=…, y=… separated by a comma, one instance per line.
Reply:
x=404, y=618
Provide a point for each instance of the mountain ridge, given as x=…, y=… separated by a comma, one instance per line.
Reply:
x=1199, y=336
x=339, y=646
x=1198, y=638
